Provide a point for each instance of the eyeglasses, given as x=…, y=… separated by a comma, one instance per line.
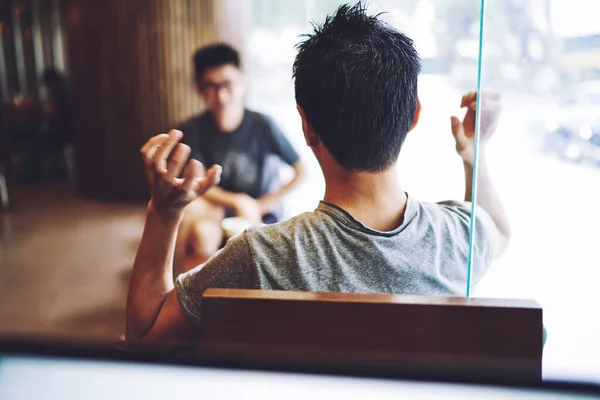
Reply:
x=215, y=87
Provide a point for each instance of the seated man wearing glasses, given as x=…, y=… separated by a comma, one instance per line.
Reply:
x=356, y=90
x=248, y=146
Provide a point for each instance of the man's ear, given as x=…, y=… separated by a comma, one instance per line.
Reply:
x=417, y=115
x=310, y=136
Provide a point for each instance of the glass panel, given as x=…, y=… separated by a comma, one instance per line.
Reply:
x=544, y=58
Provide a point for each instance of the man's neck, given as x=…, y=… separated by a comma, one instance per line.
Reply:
x=374, y=199
x=229, y=121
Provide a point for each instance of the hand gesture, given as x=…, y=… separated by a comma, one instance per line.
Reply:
x=464, y=132
x=174, y=181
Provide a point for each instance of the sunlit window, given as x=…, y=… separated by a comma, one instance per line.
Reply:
x=545, y=161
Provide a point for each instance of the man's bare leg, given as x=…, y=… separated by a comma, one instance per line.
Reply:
x=200, y=235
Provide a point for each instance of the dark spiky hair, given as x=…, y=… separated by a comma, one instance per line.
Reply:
x=356, y=81
x=214, y=55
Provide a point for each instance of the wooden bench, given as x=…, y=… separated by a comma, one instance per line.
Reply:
x=420, y=336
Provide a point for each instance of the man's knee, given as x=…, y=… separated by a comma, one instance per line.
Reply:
x=203, y=210
x=200, y=235
x=204, y=238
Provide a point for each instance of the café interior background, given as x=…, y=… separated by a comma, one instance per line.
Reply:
x=68, y=239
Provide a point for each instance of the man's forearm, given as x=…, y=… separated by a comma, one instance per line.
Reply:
x=221, y=197
x=487, y=197
x=152, y=276
x=270, y=200
x=468, y=181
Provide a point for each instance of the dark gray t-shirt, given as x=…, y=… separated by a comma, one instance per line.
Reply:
x=248, y=155
x=329, y=251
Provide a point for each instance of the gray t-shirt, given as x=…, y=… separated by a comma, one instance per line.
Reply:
x=329, y=251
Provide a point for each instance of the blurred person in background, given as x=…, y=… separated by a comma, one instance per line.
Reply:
x=54, y=142
x=245, y=143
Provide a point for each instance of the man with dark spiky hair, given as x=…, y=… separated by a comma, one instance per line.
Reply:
x=356, y=90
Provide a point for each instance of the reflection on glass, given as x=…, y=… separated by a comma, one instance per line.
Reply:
x=542, y=56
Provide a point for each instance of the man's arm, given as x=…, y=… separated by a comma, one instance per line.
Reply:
x=152, y=306
x=280, y=146
x=272, y=199
x=247, y=207
x=221, y=197
x=242, y=204
x=488, y=197
x=153, y=310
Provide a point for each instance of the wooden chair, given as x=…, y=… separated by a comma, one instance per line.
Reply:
x=417, y=335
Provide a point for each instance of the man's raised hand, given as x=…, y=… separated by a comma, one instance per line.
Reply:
x=464, y=132
x=174, y=181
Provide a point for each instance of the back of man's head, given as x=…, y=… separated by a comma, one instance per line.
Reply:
x=213, y=56
x=356, y=81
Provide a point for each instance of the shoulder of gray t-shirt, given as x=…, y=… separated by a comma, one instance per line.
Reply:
x=329, y=251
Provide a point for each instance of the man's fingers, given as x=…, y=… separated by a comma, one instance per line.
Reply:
x=150, y=147
x=201, y=171
x=457, y=128
x=177, y=162
x=213, y=177
x=194, y=177
x=486, y=97
x=468, y=99
x=165, y=149
x=214, y=174
x=191, y=175
x=153, y=141
x=148, y=150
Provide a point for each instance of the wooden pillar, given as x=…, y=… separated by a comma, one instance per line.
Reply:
x=131, y=72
